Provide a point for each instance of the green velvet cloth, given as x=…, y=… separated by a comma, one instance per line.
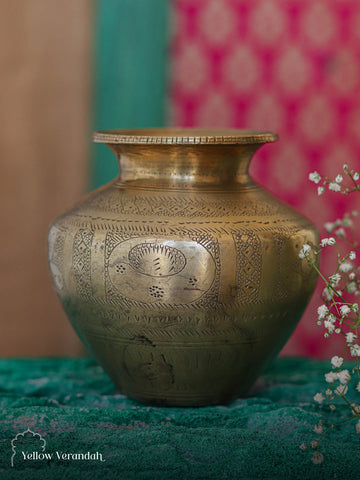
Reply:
x=73, y=405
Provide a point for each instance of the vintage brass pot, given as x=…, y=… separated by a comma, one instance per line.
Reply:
x=182, y=276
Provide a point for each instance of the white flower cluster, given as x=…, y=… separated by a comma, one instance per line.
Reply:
x=322, y=311
x=314, y=177
x=317, y=458
x=334, y=280
x=329, y=324
x=353, y=284
x=339, y=225
x=345, y=267
x=327, y=241
x=338, y=314
x=350, y=337
x=335, y=187
x=328, y=319
x=355, y=350
x=343, y=376
x=319, y=398
x=304, y=252
x=336, y=361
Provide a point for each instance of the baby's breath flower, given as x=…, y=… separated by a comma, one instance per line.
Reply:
x=329, y=326
x=335, y=279
x=332, y=407
x=314, y=177
x=350, y=337
x=324, y=242
x=317, y=458
x=328, y=392
x=319, y=398
x=355, y=307
x=344, y=376
x=314, y=444
x=320, y=190
x=339, y=178
x=351, y=287
x=355, y=350
x=335, y=187
x=336, y=361
x=318, y=428
x=347, y=222
x=303, y=447
x=358, y=387
x=356, y=176
x=304, y=251
x=345, y=267
x=341, y=390
x=352, y=255
x=322, y=311
x=340, y=232
x=352, y=276
x=344, y=310
x=357, y=427
x=355, y=407
x=331, y=377
x=329, y=226
x=345, y=166
x=327, y=241
x=327, y=295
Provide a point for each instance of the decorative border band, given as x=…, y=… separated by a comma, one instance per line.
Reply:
x=183, y=137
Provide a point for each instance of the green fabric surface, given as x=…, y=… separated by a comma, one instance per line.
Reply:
x=130, y=75
x=76, y=408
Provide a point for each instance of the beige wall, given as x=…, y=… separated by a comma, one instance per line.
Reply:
x=45, y=74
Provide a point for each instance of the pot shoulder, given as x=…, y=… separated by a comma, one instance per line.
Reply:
x=223, y=246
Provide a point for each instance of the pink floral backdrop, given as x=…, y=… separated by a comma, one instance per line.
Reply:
x=290, y=66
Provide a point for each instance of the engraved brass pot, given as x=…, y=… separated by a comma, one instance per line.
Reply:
x=182, y=276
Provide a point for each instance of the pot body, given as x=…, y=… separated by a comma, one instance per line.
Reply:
x=182, y=276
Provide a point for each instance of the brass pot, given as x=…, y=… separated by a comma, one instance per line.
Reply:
x=182, y=276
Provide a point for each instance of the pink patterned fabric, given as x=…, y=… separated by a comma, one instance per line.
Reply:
x=290, y=66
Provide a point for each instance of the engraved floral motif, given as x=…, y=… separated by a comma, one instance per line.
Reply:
x=157, y=260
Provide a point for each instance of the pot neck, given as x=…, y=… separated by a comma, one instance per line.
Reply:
x=182, y=166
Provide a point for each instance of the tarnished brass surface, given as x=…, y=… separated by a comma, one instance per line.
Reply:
x=182, y=276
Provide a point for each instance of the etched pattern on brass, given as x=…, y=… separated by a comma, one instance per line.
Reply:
x=248, y=265
x=180, y=206
x=183, y=137
x=158, y=274
x=82, y=262
x=280, y=293
x=156, y=260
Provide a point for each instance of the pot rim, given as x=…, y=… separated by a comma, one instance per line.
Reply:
x=183, y=136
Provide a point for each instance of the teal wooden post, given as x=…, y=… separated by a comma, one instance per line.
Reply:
x=130, y=72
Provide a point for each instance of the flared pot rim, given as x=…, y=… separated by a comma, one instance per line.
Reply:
x=184, y=136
